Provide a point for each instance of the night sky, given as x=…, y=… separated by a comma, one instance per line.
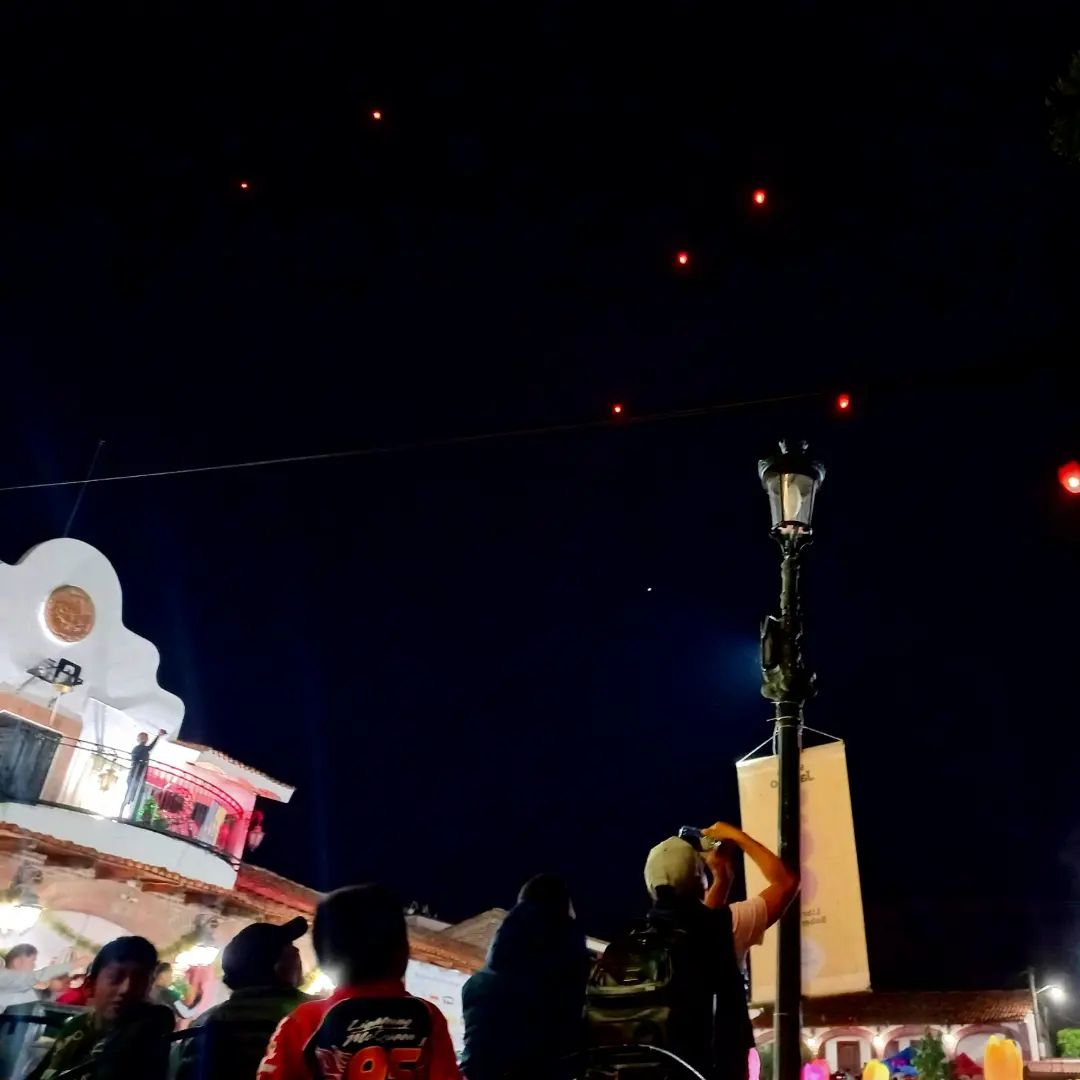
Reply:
x=482, y=660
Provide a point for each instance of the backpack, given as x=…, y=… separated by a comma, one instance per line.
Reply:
x=628, y=998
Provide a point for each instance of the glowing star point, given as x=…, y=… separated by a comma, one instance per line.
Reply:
x=1069, y=475
x=760, y=195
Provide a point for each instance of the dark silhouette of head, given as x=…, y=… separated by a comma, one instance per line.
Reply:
x=263, y=954
x=142, y=738
x=360, y=935
x=548, y=891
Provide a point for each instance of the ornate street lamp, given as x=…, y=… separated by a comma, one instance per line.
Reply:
x=20, y=907
x=791, y=479
x=202, y=950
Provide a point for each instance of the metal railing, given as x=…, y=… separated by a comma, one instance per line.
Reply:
x=41, y=766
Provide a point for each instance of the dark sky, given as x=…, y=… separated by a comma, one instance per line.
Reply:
x=452, y=652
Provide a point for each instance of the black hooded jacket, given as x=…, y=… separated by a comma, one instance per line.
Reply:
x=523, y=1008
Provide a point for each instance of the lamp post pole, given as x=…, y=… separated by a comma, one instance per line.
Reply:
x=791, y=479
x=1040, y=1021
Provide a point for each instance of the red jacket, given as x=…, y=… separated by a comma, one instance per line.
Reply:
x=377, y=1031
x=75, y=996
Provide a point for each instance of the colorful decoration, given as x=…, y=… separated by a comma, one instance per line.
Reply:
x=818, y=1069
x=753, y=1064
x=149, y=814
x=79, y=943
x=1002, y=1060
x=875, y=1070
x=176, y=804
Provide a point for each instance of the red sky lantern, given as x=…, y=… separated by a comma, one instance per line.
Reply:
x=760, y=195
x=617, y=409
x=1069, y=475
x=683, y=258
x=376, y=114
x=843, y=402
x=244, y=185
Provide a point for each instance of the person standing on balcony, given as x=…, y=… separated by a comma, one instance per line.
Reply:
x=140, y=763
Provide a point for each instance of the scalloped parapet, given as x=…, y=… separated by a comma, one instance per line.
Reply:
x=63, y=599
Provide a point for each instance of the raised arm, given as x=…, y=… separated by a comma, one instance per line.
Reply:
x=783, y=883
x=14, y=982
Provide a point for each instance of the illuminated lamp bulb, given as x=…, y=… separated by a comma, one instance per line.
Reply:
x=760, y=195
x=1069, y=476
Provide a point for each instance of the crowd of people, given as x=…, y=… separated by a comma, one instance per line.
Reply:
x=674, y=981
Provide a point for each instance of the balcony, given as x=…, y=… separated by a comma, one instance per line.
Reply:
x=41, y=767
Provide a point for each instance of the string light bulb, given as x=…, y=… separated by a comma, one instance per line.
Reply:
x=1069, y=476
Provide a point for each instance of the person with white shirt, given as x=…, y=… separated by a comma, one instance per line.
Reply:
x=709, y=1025
x=21, y=974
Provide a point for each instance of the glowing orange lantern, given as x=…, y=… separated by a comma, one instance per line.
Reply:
x=1002, y=1060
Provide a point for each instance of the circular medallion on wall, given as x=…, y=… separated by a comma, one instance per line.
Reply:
x=69, y=613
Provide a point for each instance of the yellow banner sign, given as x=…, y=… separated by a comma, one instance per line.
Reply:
x=834, y=957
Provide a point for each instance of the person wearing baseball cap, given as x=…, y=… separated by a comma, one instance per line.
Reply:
x=262, y=968
x=709, y=1023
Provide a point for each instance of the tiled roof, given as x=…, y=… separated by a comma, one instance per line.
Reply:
x=226, y=757
x=911, y=1007
x=260, y=891
x=440, y=947
x=271, y=886
x=435, y=947
x=54, y=845
x=477, y=931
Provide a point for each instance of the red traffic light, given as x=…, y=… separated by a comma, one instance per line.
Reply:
x=1069, y=475
x=760, y=195
x=843, y=402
